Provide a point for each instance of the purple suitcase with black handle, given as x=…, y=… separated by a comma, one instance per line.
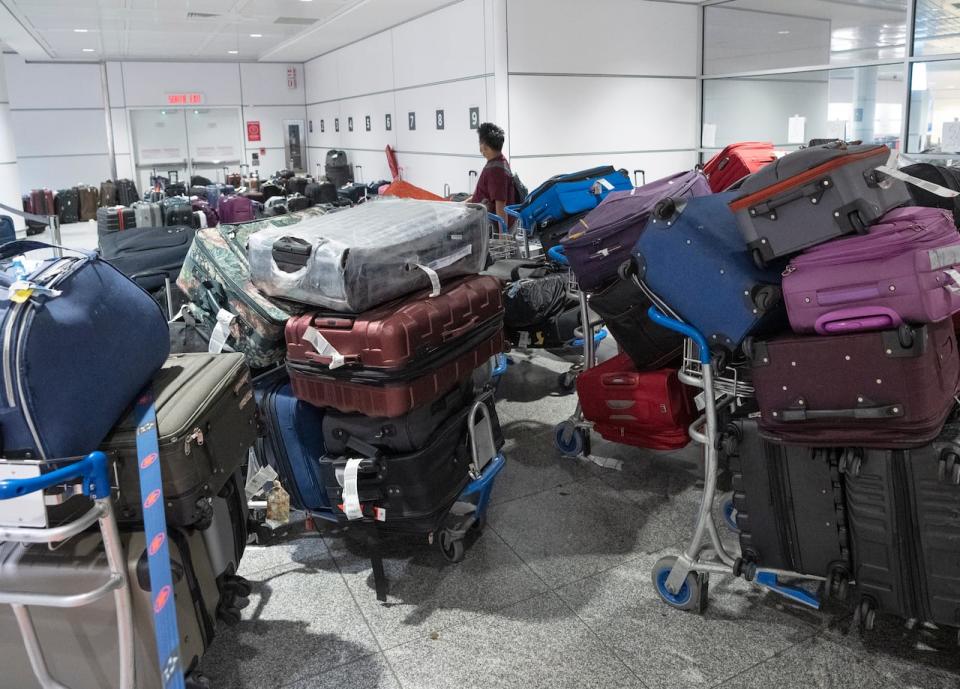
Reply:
x=602, y=242
x=905, y=270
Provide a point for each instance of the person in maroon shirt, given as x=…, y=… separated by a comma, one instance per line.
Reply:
x=495, y=187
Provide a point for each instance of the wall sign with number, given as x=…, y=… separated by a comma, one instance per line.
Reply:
x=350, y=124
x=336, y=124
x=366, y=121
x=474, y=118
x=322, y=127
x=388, y=122
x=412, y=121
x=441, y=120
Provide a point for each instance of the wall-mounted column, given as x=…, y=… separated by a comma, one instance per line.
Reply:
x=9, y=171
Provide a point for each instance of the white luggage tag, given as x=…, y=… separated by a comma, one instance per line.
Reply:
x=954, y=275
x=434, y=279
x=323, y=347
x=221, y=331
x=351, y=494
x=891, y=170
x=21, y=290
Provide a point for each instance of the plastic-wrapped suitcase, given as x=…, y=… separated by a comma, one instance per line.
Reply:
x=902, y=508
x=813, y=195
x=67, y=205
x=235, y=209
x=115, y=219
x=601, y=242
x=568, y=194
x=148, y=254
x=652, y=409
x=789, y=504
x=355, y=192
x=941, y=175
x=533, y=295
x=89, y=202
x=270, y=189
x=736, y=161
x=148, y=214
x=206, y=420
x=693, y=260
x=365, y=256
x=906, y=269
x=890, y=388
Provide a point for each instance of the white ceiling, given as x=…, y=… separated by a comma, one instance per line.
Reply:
x=291, y=30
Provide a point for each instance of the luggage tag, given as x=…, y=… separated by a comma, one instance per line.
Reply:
x=21, y=290
x=221, y=331
x=891, y=170
x=323, y=347
x=434, y=279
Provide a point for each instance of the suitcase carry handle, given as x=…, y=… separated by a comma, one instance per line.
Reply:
x=889, y=411
x=327, y=360
x=680, y=327
x=613, y=380
x=643, y=175
x=813, y=191
x=454, y=333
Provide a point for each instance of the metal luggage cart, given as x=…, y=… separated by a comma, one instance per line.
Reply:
x=682, y=581
x=23, y=519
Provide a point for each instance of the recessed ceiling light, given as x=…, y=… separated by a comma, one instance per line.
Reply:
x=80, y=30
x=783, y=33
x=232, y=52
x=88, y=50
x=256, y=35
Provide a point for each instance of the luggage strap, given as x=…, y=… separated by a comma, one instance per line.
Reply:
x=158, y=549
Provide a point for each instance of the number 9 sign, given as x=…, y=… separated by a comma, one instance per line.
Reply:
x=474, y=118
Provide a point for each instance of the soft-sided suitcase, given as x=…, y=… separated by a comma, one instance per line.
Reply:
x=735, y=162
x=941, y=175
x=115, y=219
x=80, y=644
x=623, y=307
x=534, y=296
x=206, y=420
x=33, y=226
x=296, y=203
x=272, y=188
x=601, y=242
x=397, y=334
x=177, y=212
x=813, y=195
x=297, y=185
x=41, y=203
x=904, y=530
x=74, y=362
x=905, y=270
x=210, y=216
x=148, y=214
x=360, y=258
x=213, y=195
x=235, y=209
x=67, y=205
x=354, y=192
x=564, y=195
x=148, y=255
x=651, y=409
x=557, y=332
x=337, y=169
x=789, y=504
x=89, y=201
x=890, y=388
x=693, y=259
x=393, y=393
x=234, y=179
x=554, y=233
x=320, y=192
x=108, y=193
x=126, y=192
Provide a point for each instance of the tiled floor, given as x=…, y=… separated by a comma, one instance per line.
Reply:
x=556, y=593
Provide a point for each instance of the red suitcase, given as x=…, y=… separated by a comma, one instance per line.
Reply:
x=397, y=334
x=737, y=161
x=650, y=409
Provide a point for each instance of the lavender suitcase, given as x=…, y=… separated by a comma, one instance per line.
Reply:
x=236, y=209
x=602, y=242
x=888, y=389
x=905, y=270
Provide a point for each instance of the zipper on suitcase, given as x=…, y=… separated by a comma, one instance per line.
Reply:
x=907, y=534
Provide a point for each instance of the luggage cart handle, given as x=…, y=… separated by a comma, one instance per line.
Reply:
x=558, y=254
x=500, y=222
x=92, y=468
x=677, y=326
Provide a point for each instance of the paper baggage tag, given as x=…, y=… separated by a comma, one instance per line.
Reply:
x=323, y=347
x=450, y=259
x=954, y=275
x=891, y=170
x=221, y=331
x=351, y=495
x=605, y=183
x=434, y=279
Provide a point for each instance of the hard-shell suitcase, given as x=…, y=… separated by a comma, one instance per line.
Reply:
x=225, y=534
x=902, y=508
x=623, y=307
x=148, y=255
x=235, y=209
x=789, y=503
x=891, y=388
x=564, y=195
x=177, y=211
x=67, y=205
x=73, y=362
x=148, y=214
x=813, y=195
x=390, y=394
x=399, y=333
x=735, y=162
x=234, y=179
x=554, y=233
x=652, y=409
x=115, y=219
x=81, y=643
x=941, y=175
x=601, y=242
x=89, y=201
x=906, y=269
x=126, y=192
x=360, y=258
x=206, y=420
x=108, y=193
x=693, y=260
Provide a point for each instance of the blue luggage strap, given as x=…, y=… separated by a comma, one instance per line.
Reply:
x=158, y=549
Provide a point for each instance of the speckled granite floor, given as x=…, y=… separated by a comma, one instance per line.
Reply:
x=556, y=593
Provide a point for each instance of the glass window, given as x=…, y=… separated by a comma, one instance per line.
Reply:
x=864, y=103
x=937, y=28
x=935, y=108
x=751, y=35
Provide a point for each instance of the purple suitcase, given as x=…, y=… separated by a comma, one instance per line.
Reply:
x=211, y=215
x=236, y=209
x=602, y=243
x=906, y=270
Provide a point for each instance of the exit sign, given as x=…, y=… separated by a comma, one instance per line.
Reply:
x=184, y=99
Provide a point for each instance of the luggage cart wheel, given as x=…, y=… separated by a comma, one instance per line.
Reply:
x=837, y=585
x=758, y=260
x=729, y=514
x=451, y=546
x=571, y=440
x=692, y=593
x=865, y=616
x=197, y=681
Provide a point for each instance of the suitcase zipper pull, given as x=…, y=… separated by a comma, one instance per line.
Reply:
x=195, y=437
x=788, y=270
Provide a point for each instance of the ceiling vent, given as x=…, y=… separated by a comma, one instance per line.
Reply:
x=295, y=21
x=201, y=15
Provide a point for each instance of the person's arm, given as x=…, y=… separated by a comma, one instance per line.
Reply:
x=502, y=211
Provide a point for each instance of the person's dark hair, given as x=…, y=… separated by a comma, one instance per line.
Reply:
x=491, y=135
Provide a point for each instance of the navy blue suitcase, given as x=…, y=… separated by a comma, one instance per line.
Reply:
x=564, y=195
x=78, y=358
x=692, y=257
x=7, y=231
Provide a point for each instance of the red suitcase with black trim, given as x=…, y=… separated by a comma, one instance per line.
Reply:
x=737, y=161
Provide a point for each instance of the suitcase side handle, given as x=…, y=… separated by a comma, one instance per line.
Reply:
x=454, y=333
x=619, y=380
x=889, y=411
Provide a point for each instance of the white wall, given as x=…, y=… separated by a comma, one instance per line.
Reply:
x=9, y=168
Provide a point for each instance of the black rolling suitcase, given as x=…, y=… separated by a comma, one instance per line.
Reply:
x=941, y=175
x=337, y=169
x=67, y=205
x=177, y=212
x=115, y=219
x=148, y=254
x=355, y=192
x=321, y=192
x=126, y=192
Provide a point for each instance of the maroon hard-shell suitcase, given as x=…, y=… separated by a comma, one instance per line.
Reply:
x=399, y=333
x=890, y=388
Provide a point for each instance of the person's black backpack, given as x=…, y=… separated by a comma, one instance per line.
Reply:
x=519, y=187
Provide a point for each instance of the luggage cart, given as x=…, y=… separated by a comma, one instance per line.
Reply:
x=682, y=581
x=23, y=519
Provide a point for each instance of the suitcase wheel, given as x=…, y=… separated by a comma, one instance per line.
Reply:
x=865, y=616
x=729, y=513
x=571, y=440
x=451, y=546
x=850, y=463
x=567, y=380
x=758, y=260
x=692, y=593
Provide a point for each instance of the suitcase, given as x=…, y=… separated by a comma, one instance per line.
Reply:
x=74, y=362
x=355, y=192
x=216, y=276
x=210, y=217
x=902, y=507
x=557, y=332
x=177, y=212
x=735, y=162
x=148, y=214
x=601, y=242
x=89, y=202
x=206, y=419
x=80, y=644
x=175, y=189
x=234, y=179
x=813, y=195
x=296, y=203
x=393, y=393
x=33, y=226
x=41, y=203
x=553, y=234
x=337, y=169
x=357, y=259
x=414, y=492
x=789, y=503
x=564, y=195
x=199, y=192
x=399, y=334
x=7, y=231
x=67, y=205
x=941, y=175
x=892, y=388
x=694, y=261
x=226, y=539
x=652, y=409
x=623, y=307
x=320, y=192
x=108, y=194
x=148, y=255
x=537, y=296
x=906, y=269
x=277, y=205
x=126, y=192
x=271, y=188
x=235, y=209
x=199, y=181
x=297, y=185
x=115, y=219
x=213, y=195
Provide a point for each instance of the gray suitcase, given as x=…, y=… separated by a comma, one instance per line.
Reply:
x=148, y=214
x=814, y=195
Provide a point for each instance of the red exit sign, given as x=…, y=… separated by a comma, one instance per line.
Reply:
x=184, y=99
